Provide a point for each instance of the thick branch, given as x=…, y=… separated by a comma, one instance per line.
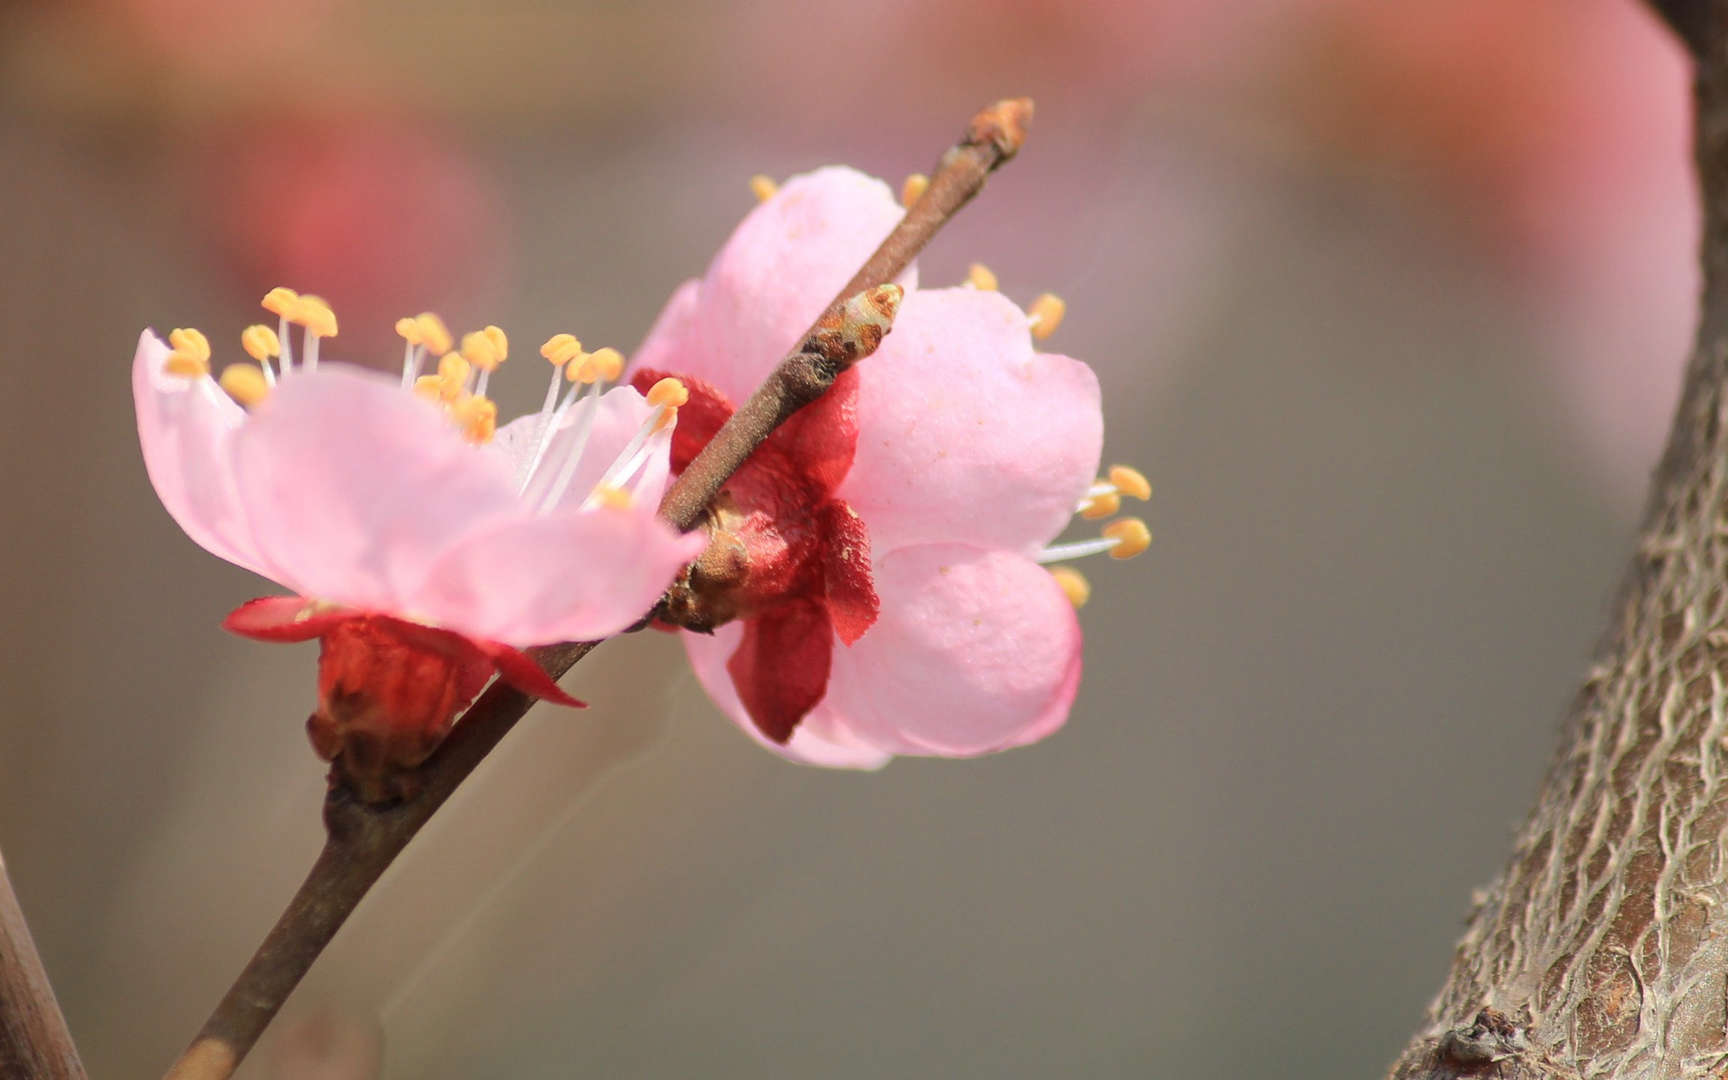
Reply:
x=364, y=839
x=34, y=1041
x=1602, y=950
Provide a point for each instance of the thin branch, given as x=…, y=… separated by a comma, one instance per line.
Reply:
x=1690, y=19
x=34, y=1041
x=992, y=138
x=363, y=839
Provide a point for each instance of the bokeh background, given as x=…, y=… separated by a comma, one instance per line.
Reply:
x=1389, y=299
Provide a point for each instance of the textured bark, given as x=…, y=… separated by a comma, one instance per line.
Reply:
x=1602, y=949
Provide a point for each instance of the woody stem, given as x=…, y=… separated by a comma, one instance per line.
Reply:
x=34, y=1040
x=364, y=839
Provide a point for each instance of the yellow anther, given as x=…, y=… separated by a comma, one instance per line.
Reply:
x=260, y=342
x=1131, y=536
x=453, y=368
x=408, y=329
x=314, y=313
x=612, y=498
x=1131, y=482
x=763, y=187
x=244, y=384
x=281, y=301
x=1101, y=506
x=433, y=333
x=608, y=363
x=430, y=387
x=1046, y=314
x=1073, y=583
x=478, y=350
x=668, y=392
x=558, y=348
x=190, y=343
x=477, y=416
x=914, y=188
x=500, y=343
x=980, y=276
x=186, y=365
x=581, y=369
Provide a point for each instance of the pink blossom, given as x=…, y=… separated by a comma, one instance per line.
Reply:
x=422, y=553
x=875, y=586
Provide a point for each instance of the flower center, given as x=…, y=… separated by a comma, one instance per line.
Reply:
x=458, y=385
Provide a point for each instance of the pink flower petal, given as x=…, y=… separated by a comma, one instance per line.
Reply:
x=778, y=272
x=353, y=487
x=974, y=651
x=622, y=413
x=186, y=429
x=821, y=739
x=967, y=435
x=573, y=575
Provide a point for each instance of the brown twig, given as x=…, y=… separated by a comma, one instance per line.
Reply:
x=364, y=839
x=34, y=1041
x=992, y=138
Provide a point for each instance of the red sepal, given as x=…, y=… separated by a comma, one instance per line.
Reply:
x=284, y=618
x=519, y=670
x=821, y=438
x=781, y=666
x=850, y=590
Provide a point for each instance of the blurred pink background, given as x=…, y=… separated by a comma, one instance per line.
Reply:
x=1390, y=300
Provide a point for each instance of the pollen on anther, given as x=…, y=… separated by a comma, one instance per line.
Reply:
x=1131, y=536
x=613, y=498
x=280, y=301
x=477, y=416
x=192, y=343
x=314, y=313
x=1045, y=315
x=244, y=383
x=453, y=368
x=430, y=387
x=608, y=363
x=433, y=333
x=981, y=277
x=260, y=342
x=763, y=187
x=1130, y=482
x=1101, y=506
x=669, y=392
x=1074, y=584
x=500, y=342
x=479, y=350
x=913, y=189
x=560, y=349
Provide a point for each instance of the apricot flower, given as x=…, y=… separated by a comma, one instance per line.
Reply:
x=874, y=586
x=423, y=552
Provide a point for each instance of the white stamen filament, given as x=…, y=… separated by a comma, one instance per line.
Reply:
x=1077, y=549
x=269, y=372
x=310, y=362
x=410, y=364
x=632, y=457
x=580, y=430
x=287, y=357
x=480, y=383
x=553, y=414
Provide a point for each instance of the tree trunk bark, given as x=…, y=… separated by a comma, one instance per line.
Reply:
x=1602, y=949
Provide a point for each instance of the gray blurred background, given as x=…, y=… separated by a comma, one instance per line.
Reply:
x=1389, y=300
